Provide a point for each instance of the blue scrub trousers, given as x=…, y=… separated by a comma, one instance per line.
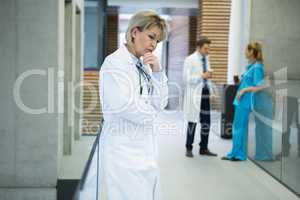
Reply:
x=263, y=107
x=240, y=133
x=263, y=140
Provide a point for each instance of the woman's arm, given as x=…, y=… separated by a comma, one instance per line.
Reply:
x=257, y=81
x=252, y=89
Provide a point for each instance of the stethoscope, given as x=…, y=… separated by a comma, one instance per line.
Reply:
x=146, y=77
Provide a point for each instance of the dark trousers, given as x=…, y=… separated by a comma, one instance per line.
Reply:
x=205, y=123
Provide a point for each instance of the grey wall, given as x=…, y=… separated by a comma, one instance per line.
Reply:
x=31, y=142
x=276, y=24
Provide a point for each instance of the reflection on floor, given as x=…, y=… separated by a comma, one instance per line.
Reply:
x=285, y=168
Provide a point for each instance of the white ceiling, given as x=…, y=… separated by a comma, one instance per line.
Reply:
x=154, y=3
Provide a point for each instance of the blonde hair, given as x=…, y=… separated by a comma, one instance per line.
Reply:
x=144, y=20
x=256, y=48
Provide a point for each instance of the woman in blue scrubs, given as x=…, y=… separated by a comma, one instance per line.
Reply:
x=252, y=81
x=263, y=117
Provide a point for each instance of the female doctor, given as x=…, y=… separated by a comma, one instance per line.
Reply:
x=133, y=90
x=252, y=81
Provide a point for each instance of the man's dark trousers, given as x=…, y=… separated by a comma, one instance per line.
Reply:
x=205, y=123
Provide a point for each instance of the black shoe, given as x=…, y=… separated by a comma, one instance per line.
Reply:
x=230, y=159
x=235, y=159
x=189, y=153
x=206, y=152
x=225, y=158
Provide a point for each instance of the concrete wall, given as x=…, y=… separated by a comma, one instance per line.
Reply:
x=276, y=24
x=78, y=72
x=29, y=142
x=73, y=72
x=32, y=86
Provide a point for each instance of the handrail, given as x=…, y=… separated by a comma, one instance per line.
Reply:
x=87, y=166
x=88, y=163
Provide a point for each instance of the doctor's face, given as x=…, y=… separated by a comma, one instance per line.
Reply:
x=204, y=50
x=145, y=41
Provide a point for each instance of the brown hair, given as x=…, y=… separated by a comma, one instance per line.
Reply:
x=203, y=40
x=256, y=48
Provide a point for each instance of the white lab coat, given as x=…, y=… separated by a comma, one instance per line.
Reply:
x=128, y=142
x=193, y=84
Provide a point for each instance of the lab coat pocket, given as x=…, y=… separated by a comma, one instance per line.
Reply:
x=129, y=152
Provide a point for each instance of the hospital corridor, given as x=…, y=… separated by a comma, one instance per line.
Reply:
x=149, y=100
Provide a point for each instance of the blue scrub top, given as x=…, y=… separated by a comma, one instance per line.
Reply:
x=254, y=76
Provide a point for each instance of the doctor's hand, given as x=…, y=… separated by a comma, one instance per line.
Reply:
x=213, y=97
x=152, y=60
x=240, y=94
x=206, y=75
